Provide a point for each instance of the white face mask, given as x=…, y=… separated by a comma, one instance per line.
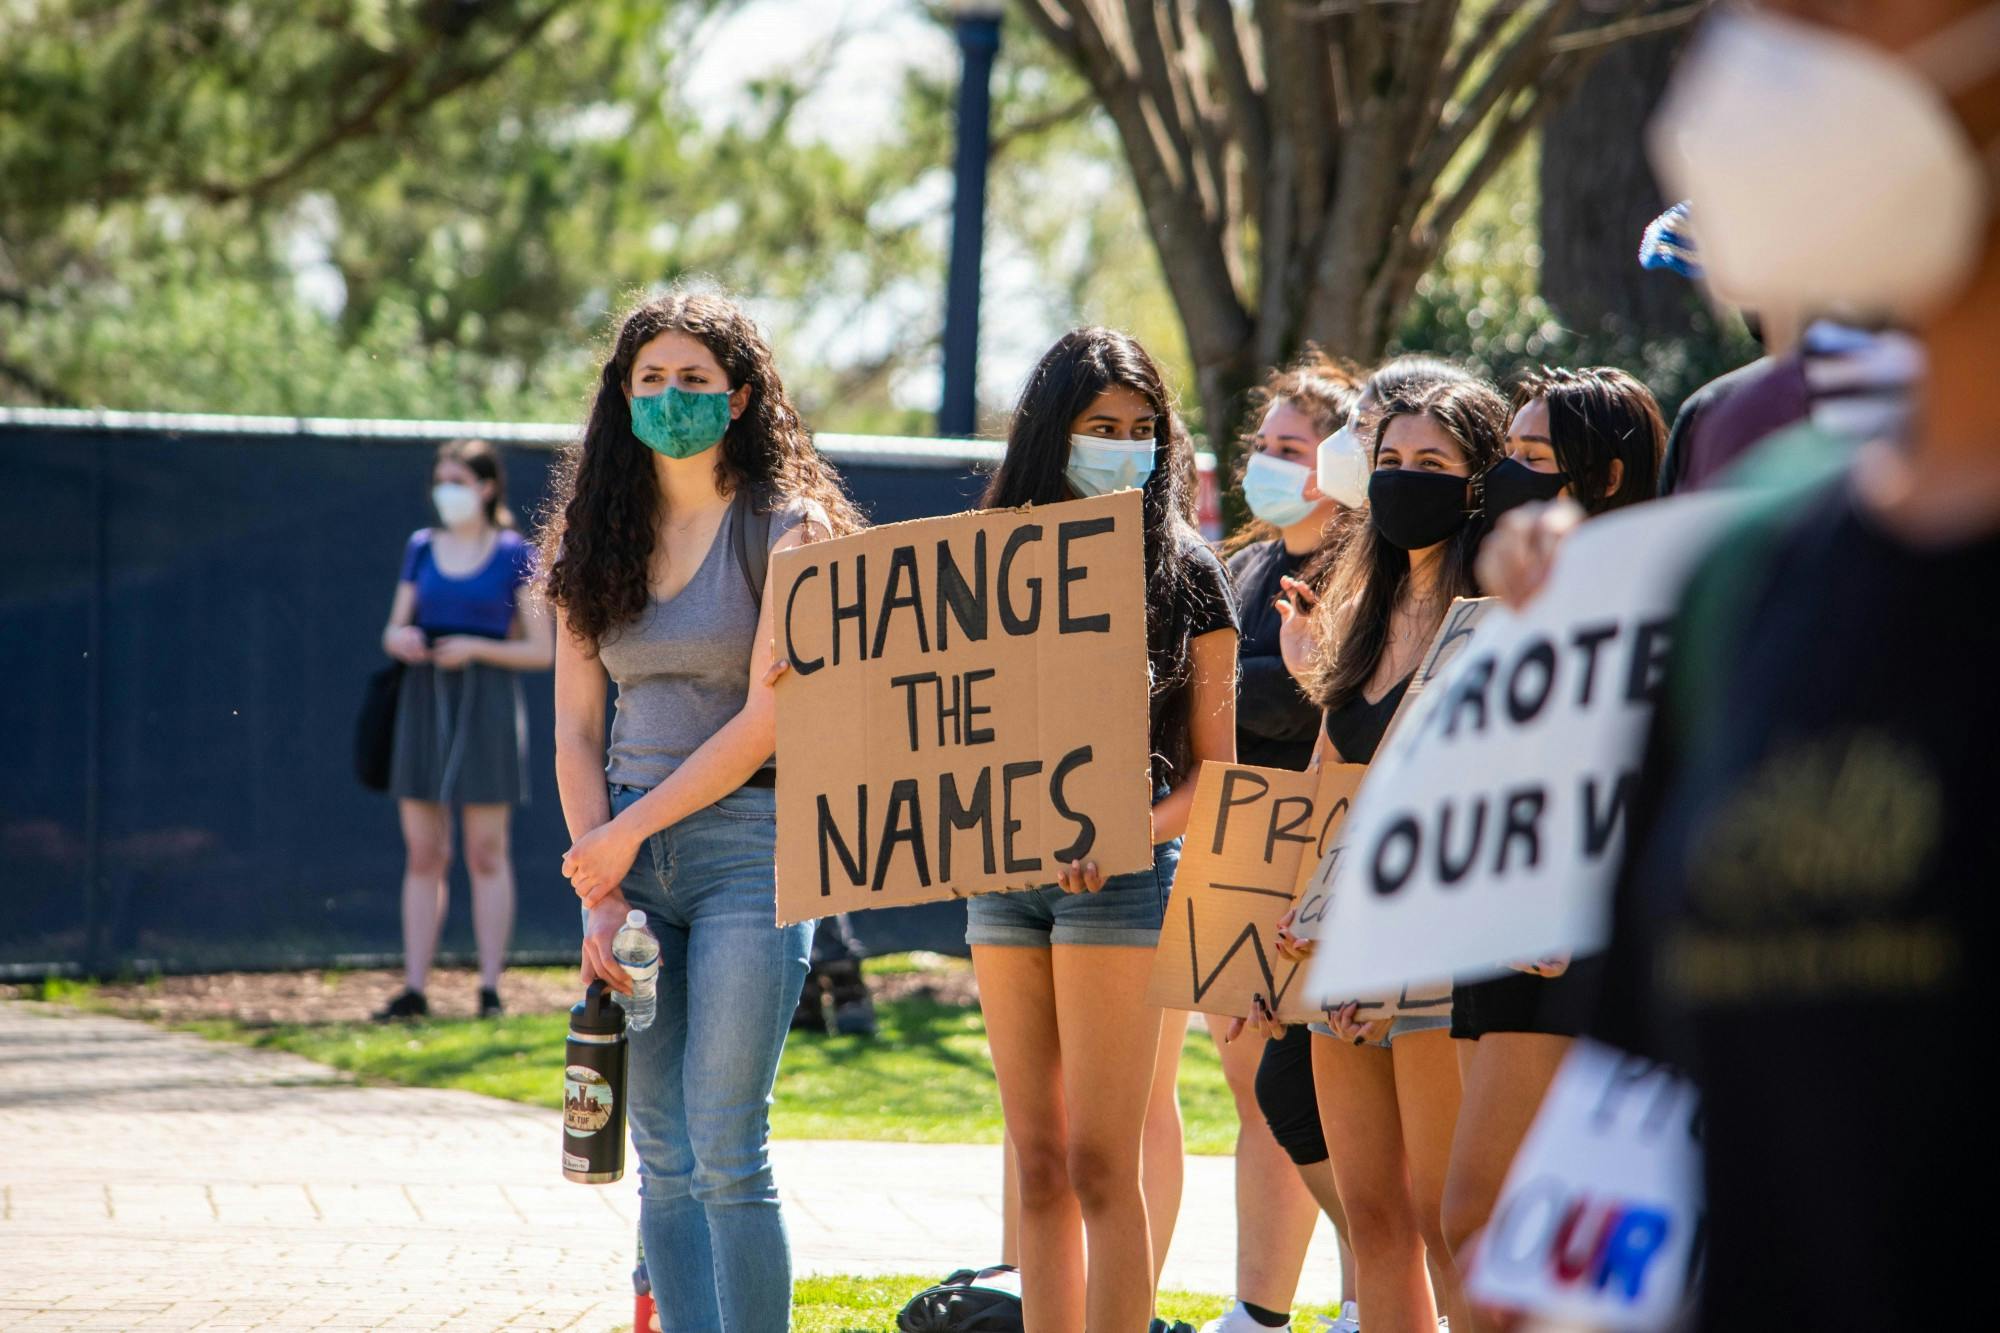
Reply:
x=1826, y=175
x=1344, y=468
x=456, y=502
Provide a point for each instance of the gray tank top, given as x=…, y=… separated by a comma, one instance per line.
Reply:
x=683, y=667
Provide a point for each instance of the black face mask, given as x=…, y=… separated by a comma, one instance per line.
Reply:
x=1415, y=510
x=1509, y=484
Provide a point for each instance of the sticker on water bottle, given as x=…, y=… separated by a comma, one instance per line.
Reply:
x=587, y=1099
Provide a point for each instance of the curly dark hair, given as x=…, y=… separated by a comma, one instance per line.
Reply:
x=1068, y=379
x=1353, y=618
x=604, y=501
x=1598, y=414
x=1323, y=389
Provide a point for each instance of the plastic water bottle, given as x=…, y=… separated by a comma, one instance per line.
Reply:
x=639, y=954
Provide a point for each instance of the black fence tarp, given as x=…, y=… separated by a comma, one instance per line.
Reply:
x=188, y=611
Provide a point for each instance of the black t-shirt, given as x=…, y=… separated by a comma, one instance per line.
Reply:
x=1275, y=722
x=1203, y=603
x=1804, y=903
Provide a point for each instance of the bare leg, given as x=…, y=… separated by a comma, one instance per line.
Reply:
x=1275, y=1213
x=1506, y=1078
x=1110, y=1037
x=1163, y=1158
x=490, y=864
x=1010, y=1205
x=1318, y=1180
x=1356, y=1087
x=1427, y=1097
x=426, y=868
x=1018, y=998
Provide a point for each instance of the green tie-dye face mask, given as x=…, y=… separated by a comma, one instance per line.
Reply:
x=678, y=423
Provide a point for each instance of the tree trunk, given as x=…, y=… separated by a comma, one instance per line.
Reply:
x=1598, y=194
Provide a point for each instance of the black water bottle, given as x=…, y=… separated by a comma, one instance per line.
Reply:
x=594, y=1089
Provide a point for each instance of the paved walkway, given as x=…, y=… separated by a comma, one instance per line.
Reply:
x=152, y=1180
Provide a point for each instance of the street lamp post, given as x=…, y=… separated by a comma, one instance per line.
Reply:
x=978, y=25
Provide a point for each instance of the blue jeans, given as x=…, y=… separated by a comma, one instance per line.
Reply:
x=701, y=1075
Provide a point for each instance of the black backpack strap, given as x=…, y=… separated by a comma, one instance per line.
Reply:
x=750, y=533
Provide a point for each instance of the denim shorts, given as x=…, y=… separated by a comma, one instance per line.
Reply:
x=1128, y=910
x=1402, y=1025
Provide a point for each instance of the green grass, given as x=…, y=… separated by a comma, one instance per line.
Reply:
x=869, y=1304
x=927, y=1078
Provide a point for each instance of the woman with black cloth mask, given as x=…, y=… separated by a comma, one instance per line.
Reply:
x=1293, y=537
x=1389, y=1090
x=1591, y=438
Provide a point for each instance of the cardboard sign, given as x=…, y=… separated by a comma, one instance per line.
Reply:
x=1454, y=632
x=966, y=707
x=1490, y=831
x=1252, y=834
x=1601, y=1221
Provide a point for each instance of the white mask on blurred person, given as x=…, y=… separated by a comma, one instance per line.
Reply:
x=456, y=502
x=1344, y=468
x=1825, y=173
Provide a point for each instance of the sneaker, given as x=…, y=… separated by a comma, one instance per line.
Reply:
x=489, y=1003
x=1236, y=1319
x=407, y=1007
x=1347, y=1321
x=855, y=1018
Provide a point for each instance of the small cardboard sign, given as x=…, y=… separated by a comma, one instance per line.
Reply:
x=1315, y=892
x=1601, y=1221
x=966, y=706
x=1489, y=831
x=1252, y=834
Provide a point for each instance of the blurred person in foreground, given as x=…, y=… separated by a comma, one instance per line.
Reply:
x=1804, y=891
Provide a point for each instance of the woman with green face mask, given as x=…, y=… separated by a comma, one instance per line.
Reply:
x=693, y=459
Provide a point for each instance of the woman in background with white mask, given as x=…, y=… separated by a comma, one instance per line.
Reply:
x=1802, y=911
x=1063, y=968
x=465, y=621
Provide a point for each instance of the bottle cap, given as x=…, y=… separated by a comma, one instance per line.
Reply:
x=636, y=918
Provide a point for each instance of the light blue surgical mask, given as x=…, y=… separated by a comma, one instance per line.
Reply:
x=680, y=423
x=1099, y=467
x=1274, y=488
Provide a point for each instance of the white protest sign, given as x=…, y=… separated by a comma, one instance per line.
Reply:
x=1489, y=832
x=1601, y=1220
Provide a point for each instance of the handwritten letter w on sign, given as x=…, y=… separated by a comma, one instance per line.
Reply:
x=1252, y=834
x=966, y=706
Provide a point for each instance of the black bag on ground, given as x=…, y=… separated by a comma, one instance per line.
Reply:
x=986, y=1301
x=375, y=728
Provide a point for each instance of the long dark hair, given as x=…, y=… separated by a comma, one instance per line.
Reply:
x=482, y=460
x=604, y=506
x=1354, y=615
x=1068, y=379
x=1323, y=389
x=1598, y=414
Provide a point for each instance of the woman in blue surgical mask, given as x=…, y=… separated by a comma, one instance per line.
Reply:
x=692, y=458
x=1063, y=968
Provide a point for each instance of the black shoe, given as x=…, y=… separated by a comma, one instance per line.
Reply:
x=856, y=1018
x=489, y=1003
x=810, y=1016
x=407, y=1007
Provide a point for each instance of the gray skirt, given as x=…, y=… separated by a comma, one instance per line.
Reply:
x=461, y=737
